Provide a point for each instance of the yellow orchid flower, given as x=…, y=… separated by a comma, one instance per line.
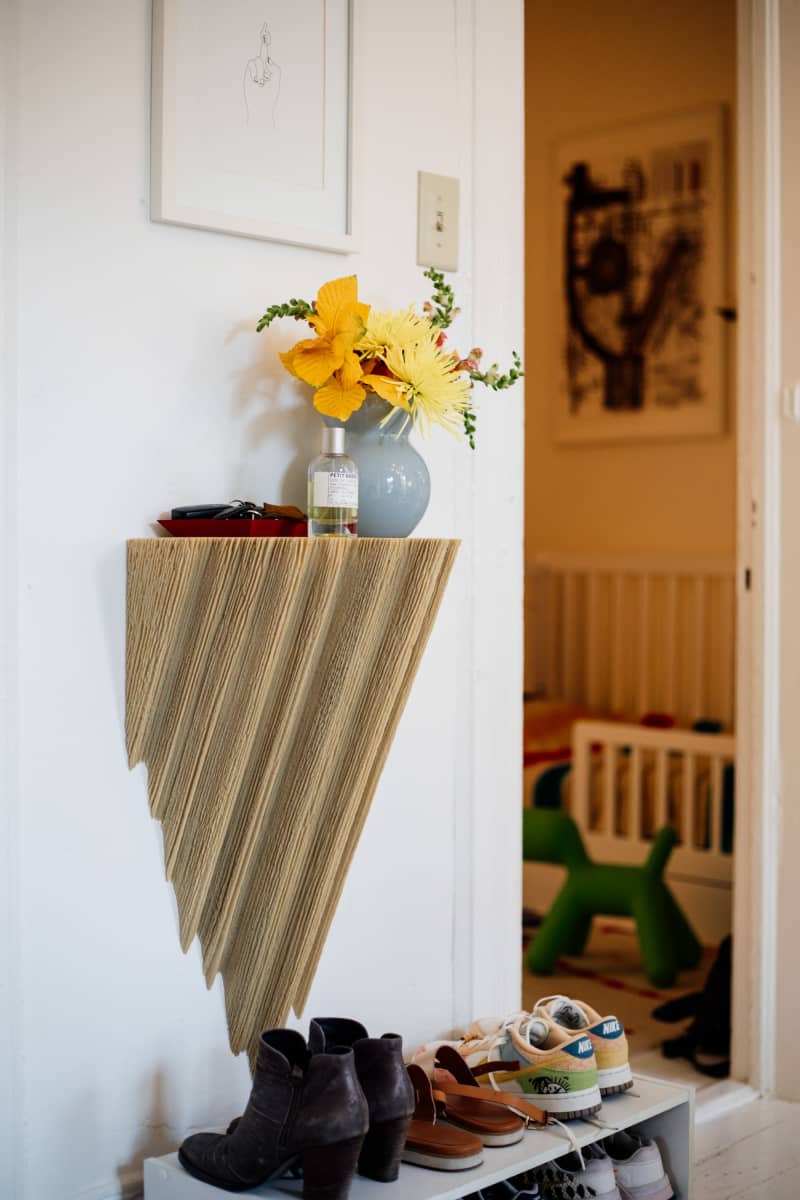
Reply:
x=337, y=399
x=339, y=321
x=343, y=393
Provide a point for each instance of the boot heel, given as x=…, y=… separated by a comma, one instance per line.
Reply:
x=328, y=1170
x=383, y=1146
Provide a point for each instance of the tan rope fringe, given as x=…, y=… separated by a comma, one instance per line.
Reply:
x=264, y=681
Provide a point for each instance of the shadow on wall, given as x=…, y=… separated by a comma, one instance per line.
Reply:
x=282, y=414
x=220, y=1075
x=156, y=1137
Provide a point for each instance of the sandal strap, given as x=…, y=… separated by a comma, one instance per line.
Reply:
x=424, y=1100
x=448, y=1058
x=500, y=1064
x=517, y=1104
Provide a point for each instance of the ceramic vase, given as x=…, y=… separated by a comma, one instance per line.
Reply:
x=394, y=485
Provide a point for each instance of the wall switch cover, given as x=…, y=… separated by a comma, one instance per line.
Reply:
x=437, y=221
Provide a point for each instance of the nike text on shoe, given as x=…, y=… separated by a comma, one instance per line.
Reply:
x=606, y=1033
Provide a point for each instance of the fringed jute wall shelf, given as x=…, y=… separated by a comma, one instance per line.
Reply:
x=264, y=681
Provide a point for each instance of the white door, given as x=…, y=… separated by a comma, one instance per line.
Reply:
x=767, y=903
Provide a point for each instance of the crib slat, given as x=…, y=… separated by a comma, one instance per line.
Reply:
x=581, y=778
x=727, y=643
x=635, y=795
x=715, y=807
x=618, y=653
x=592, y=649
x=549, y=583
x=672, y=643
x=569, y=642
x=699, y=665
x=661, y=788
x=643, y=647
x=606, y=823
x=687, y=801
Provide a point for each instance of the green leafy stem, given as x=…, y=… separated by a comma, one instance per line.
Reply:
x=497, y=381
x=440, y=309
x=301, y=310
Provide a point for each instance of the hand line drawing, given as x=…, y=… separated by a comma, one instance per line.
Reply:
x=260, y=71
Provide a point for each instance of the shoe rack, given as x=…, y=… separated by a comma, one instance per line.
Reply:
x=663, y=1111
x=265, y=678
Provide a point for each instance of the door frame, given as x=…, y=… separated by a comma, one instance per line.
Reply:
x=758, y=549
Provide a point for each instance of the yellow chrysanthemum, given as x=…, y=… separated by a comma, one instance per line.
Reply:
x=433, y=392
x=392, y=330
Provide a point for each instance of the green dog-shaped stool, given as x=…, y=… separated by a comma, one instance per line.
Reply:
x=666, y=939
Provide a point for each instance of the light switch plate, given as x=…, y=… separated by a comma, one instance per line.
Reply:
x=437, y=221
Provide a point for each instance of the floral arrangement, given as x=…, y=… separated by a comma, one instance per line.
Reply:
x=400, y=356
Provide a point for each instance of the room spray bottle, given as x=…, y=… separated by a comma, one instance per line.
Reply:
x=332, y=489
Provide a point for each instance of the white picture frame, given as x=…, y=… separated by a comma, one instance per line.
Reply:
x=681, y=373
x=252, y=119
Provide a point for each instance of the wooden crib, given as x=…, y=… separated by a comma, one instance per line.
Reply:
x=622, y=637
x=631, y=635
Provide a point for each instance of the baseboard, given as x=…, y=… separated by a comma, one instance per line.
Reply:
x=128, y=1185
x=718, y=1099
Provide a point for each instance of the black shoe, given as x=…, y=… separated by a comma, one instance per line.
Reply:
x=387, y=1088
x=305, y=1109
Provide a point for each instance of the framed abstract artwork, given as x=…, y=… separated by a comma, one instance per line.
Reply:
x=252, y=105
x=639, y=281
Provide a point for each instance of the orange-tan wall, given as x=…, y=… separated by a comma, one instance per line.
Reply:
x=590, y=64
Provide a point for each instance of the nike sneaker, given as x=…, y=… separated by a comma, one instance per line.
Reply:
x=638, y=1168
x=573, y=1177
x=529, y=1056
x=605, y=1033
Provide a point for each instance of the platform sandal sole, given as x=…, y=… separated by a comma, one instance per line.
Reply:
x=489, y=1139
x=439, y=1162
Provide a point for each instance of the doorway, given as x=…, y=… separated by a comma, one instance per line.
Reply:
x=631, y=468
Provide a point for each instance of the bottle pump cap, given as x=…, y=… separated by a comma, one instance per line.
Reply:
x=332, y=439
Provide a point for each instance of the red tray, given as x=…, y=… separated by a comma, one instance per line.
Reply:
x=205, y=527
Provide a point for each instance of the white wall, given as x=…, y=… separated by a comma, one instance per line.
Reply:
x=136, y=382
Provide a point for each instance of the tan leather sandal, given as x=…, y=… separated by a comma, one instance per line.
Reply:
x=432, y=1143
x=467, y=1086
x=495, y=1125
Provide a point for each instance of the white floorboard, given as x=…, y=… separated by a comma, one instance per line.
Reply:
x=750, y=1152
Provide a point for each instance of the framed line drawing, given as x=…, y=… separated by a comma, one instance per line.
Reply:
x=251, y=130
x=641, y=248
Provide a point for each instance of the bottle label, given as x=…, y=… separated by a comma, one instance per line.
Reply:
x=335, y=489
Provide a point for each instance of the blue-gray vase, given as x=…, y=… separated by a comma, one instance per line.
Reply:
x=394, y=486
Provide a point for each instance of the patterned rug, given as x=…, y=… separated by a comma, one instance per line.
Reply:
x=609, y=976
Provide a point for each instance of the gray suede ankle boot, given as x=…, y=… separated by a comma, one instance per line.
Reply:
x=304, y=1110
x=387, y=1088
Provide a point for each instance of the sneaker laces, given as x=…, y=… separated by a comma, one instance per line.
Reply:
x=570, y=1136
x=599, y=1123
